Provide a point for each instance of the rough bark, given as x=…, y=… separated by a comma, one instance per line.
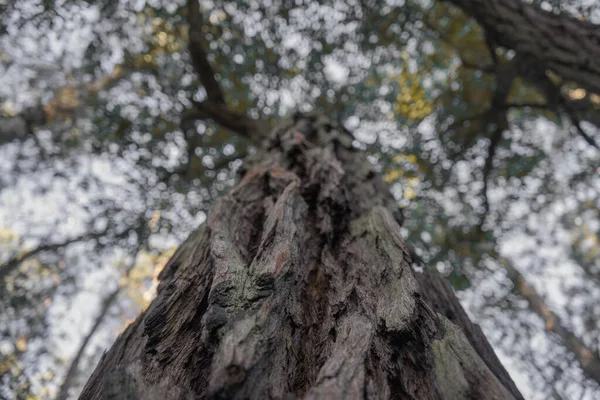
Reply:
x=299, y=285
x=558, y=42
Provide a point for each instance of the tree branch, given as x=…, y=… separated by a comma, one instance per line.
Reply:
x=235, y=121
x=496, y=117
x=531, y=67
x=558, y=42
x=487, y=68
x=558, y=100
x=107, y=303
x=577, y=123
x=588, y=359
x=67, y=383
x=214, y=107
x=540, y=106
x=487, y=169
x=199, y=54
x=12, y=264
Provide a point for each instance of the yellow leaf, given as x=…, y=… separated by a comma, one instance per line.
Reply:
x=577, y=94
x=410, y=193
x=411, y=102
x=155, y=218
x=411, y=158
x=393, y=175
x=21, y=343
x=7, y=235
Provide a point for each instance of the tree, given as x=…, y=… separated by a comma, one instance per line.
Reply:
x=447, y=103
x=300, y=284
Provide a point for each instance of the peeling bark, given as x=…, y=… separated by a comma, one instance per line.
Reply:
x=299, y=285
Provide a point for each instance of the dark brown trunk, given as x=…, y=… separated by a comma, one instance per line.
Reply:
x=299, y=285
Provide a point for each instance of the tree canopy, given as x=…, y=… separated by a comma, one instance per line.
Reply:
x=122, y=120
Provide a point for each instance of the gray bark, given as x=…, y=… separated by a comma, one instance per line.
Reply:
x=299, y=285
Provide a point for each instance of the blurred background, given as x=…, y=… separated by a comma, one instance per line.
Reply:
x=105, y=166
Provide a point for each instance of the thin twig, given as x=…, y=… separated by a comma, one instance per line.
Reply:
x=74, y=367
x=577, y=123
x=14, y=262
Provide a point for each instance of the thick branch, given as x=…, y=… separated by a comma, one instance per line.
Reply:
x=235, y=121
x=214, y=107
x=200, y=56
x=558, y=42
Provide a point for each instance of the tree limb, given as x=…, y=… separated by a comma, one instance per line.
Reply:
x=235, y=121
x=588, y=359
x=214, y=107
x=558, y=42
x=487, y=169
x=496, y=117
x=9, y=266
x=67, y=383
x=540, y=106
x=532, y=61
x=558, y=100
x=107, y=303
x=13, y=263
x=577, y=123
x=199, y=54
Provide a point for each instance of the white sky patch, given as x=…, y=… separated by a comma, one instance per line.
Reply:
x=286, y=100
x=463, y=171
x=335, y=71
x=352, y=122
x=297, y=42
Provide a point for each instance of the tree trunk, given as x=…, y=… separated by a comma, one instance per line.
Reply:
x=299, y=285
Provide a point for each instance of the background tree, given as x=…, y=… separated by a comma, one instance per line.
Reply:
x=110, y=147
